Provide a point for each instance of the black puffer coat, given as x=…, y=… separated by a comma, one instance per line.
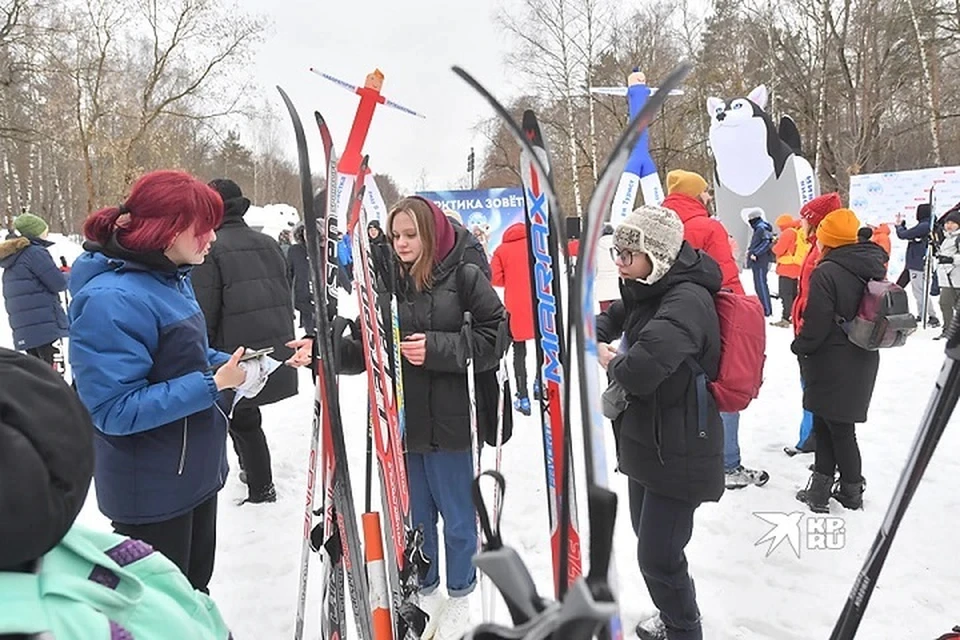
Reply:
x=298, y=271
x=435, y=395
x=661, y=443
x=245, y=294
x=838, y=375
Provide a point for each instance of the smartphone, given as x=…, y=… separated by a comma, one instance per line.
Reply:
x=249, y=355
x=256, y=353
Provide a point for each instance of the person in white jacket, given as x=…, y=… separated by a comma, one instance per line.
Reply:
x=608, y=278
x=948, y=269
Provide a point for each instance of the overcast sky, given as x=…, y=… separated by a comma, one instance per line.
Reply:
x=414, y=43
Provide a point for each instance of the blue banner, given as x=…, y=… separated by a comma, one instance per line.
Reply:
x=486, y=213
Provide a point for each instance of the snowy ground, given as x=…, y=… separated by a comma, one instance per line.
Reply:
x=743, y=593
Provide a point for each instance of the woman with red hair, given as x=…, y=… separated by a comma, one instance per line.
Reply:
x=142, y=367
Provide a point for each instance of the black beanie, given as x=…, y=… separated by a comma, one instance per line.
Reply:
x=952, y=216
x=228, y=189
x=923, y=212
x=234, y=203
x=864, y=234
x=46, y=458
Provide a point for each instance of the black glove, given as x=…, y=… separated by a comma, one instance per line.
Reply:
x=348, y=349
x=945, y=259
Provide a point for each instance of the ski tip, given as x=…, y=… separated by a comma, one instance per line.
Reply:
x=464, y=75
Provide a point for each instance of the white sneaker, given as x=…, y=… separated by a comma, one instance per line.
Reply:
x=455, y=621
x=432, y=605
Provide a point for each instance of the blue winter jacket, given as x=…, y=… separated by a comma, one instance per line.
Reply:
x=918, y=237
x=31, y=284
x=138, y=348
x=761, y=244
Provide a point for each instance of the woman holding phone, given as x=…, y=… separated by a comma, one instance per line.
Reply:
x=142, y=367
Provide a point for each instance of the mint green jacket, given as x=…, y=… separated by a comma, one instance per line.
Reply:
x=97, y=585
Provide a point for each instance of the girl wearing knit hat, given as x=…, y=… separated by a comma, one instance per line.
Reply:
x=666, y=315
x=32, y=283
x=839, y=376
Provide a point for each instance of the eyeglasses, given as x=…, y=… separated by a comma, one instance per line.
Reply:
x=625, y=256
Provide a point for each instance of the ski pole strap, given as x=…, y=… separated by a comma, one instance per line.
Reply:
x=491, y=534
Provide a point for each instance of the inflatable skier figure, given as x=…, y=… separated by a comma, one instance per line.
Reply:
x=640, y=171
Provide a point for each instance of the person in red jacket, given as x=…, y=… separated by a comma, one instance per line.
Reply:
x=811, y=214
x=688, y=195
x=510, y=269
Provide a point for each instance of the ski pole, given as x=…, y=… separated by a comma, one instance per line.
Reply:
x=939, y=411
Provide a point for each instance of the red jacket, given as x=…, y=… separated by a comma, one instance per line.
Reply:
x=708, y=235
x=510, y=269
x=803, y=286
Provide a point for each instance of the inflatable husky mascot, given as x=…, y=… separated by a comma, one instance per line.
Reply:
x=757, y=163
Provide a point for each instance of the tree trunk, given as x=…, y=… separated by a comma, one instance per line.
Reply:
x=8, y=212
x=571, y=125
x=590, y=18
x=927, y=86
x=593, y=130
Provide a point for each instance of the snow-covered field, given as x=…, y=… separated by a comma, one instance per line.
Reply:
x=743, y=593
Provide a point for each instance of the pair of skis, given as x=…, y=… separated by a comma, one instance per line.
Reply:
x=339, y=510
x=338, y=534
x=591, y=598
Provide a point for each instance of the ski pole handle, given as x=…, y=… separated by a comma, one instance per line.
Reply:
x=467, y=330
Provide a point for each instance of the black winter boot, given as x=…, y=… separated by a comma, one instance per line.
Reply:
x=817, y=493
x=259, y=496
x=849, y=494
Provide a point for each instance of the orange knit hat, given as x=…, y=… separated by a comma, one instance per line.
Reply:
x=838, y=228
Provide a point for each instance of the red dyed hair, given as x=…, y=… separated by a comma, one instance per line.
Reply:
x=161, y=205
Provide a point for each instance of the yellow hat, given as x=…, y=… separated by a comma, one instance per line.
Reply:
x=839, y=228
x=686, y=183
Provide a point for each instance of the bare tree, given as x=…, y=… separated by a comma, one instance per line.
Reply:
x=546, y=55
x=928, y=84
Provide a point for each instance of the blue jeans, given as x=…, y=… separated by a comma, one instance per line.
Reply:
x=806, y=424
x=441, y=484
x=731, y=440
x=762, y=287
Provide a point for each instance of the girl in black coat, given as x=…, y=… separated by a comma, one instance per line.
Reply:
x=436, y=286
x=674, y=459
x=839, y=376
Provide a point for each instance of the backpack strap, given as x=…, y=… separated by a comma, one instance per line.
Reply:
x=840, y=320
